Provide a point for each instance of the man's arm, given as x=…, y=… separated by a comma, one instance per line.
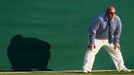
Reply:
x=92, y=33
x=117, y=34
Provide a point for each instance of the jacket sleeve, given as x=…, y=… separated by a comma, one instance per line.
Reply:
x=92, y=30
x=118, y=31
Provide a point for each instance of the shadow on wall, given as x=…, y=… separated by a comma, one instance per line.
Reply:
x=26, y=54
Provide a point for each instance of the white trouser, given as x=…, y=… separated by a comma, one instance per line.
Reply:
x=114, y=53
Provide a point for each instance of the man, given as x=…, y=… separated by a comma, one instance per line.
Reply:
x=105, y=32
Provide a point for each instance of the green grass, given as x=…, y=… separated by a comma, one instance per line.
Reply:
x=66, y=73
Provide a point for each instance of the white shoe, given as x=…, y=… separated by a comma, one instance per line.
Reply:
x=85, y=71
x=126, y=70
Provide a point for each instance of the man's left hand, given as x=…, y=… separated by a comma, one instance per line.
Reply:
x=117, y=46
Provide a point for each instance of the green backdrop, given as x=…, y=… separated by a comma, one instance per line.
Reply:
x=63, y=24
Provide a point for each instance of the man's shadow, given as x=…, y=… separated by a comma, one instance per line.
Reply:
x=26, y=54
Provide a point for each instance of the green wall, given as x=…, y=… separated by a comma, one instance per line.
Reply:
x=63, y=24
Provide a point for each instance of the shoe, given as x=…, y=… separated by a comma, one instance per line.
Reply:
x=85, y=71
x=126, y=70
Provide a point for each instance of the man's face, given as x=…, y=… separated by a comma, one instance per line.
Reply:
x=111, y=13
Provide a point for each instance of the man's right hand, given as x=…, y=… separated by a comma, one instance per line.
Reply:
x=91, y=47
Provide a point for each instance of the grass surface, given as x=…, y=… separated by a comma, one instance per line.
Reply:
x=66, y=73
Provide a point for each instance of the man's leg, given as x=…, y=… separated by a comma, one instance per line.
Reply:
x=116, y=56
x=90, y=56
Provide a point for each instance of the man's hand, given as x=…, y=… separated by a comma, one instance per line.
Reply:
x=91, y=47
x=117, y=46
